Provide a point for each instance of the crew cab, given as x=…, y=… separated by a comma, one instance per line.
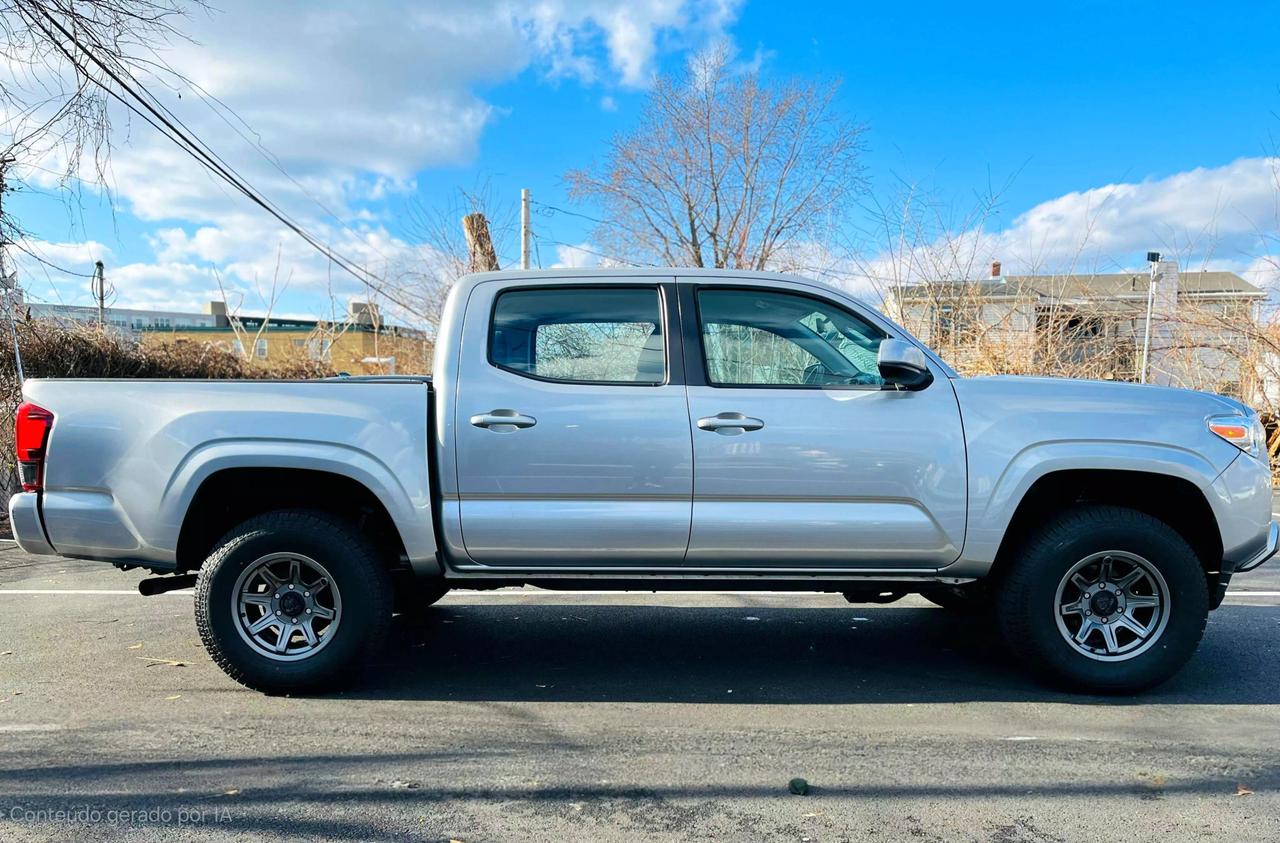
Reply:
x=657, y=429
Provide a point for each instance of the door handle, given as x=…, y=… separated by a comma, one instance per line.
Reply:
x=503, y=421
x=729, y=424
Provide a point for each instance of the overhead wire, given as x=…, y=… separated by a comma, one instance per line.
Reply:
x=189, y=142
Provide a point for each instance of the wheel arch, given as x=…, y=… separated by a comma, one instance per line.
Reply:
x=247, y=477
x=229, y=496
x=1174, y=500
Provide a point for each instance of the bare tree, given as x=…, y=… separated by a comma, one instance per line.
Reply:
x=61, y=57
x=442, y=254
x=726, y=169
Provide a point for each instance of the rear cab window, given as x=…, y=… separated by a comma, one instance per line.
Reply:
x=593, y=335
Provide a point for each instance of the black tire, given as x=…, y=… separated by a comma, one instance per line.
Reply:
x=415, y=594
x=1028, y=600
x=358, y=575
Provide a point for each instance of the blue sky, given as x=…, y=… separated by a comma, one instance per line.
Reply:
x=1115, y=127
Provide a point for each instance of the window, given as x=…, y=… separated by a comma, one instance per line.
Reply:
x=763, y=338
x=260, y=349
x=319, y=348
x=584, y=335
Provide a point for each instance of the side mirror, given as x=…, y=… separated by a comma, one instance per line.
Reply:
x=902, y=365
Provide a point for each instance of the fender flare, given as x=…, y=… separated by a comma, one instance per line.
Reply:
x=410, y=510
x=993, y=504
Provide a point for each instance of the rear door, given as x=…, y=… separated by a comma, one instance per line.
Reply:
x=802, y=459
x=572, y=431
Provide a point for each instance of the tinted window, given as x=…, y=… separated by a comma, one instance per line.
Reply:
x=580, y=334
x=761, y=338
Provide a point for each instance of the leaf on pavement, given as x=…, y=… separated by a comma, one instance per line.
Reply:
x=174, y=697
x=1242, y=790
x=162, y=662
x=135, y=646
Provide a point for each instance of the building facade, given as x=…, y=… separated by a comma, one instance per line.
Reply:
x=1202, y=326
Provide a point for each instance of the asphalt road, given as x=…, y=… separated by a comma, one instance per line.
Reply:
x=546, y=716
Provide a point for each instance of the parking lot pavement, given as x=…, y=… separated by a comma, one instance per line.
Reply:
x=547, y=716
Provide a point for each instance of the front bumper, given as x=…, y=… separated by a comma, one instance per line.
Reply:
x=1253, y=560
x=28, y=530
x=1269, y=550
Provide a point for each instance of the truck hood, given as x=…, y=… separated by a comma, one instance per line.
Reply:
x=1076, y=395
x=1008, y=418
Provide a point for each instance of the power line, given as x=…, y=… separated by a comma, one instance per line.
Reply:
x=190, y=143
x=37, y=257
x=613, y=258
x=551, y=210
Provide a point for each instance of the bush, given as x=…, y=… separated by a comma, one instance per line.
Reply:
x=54, y=350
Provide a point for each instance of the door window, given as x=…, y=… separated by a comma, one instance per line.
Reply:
x=765, y=338
x=580, y=335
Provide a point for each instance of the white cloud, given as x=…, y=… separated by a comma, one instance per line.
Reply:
x=565, y=32
x=354, y=100
x=575, y=257
x=1225, y=218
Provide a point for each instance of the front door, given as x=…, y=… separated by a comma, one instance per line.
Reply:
x=572, y=431
x=802, y=459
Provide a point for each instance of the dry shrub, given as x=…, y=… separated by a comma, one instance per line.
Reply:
x=53, y=350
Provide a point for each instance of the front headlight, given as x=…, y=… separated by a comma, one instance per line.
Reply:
x=1245, y=432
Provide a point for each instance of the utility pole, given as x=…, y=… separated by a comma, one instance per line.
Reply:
x=99, y=287
x=8, y=282
x=525, y=231
x=1153, y=258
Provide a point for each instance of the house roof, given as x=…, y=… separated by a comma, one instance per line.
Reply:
x=1123, y=285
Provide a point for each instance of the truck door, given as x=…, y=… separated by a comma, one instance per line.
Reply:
x=571, y=428
x=801, y=459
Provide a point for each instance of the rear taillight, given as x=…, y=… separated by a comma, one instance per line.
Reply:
x=31, y=435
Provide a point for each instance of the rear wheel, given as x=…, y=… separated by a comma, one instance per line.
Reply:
x=1104, y=599
x=292, y=601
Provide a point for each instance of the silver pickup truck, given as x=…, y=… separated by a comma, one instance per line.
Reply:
x=658, y=429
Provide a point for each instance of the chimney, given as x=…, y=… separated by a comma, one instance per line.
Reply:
x=995, y=269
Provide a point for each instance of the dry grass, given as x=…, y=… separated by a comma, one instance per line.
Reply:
x=52, y=350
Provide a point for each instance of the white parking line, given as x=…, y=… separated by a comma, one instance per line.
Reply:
x=515, y=593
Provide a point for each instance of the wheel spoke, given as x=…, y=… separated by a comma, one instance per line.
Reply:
x=309, y=633
x=1086, y=629
x=1141, y=601
x=318, y=586
x=1072, y=608
x=262, y=623
x=1128, y=622
x=1109, y=636
x=256, y=599
x=295, y=571
x=1130, y=578
x=282, y=643
x=1104, y=569
x=1078, y=580
x=322, y=612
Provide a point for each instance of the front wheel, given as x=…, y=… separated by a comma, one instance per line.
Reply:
x=1104, y=599
x=292, y=601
